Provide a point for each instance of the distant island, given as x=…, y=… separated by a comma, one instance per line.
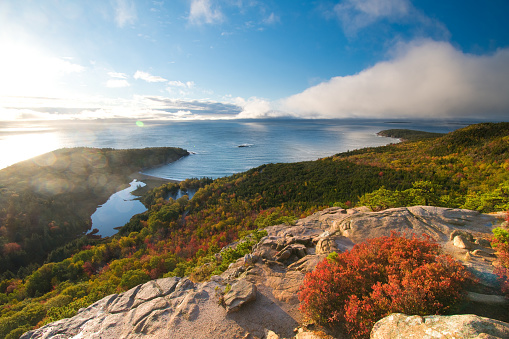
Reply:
x=408, y=134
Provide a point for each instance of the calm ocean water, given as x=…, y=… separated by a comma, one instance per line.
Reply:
x=214, y=144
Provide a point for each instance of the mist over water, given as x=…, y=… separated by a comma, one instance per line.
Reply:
x=214, y=144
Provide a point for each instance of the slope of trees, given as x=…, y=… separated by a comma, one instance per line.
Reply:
x=180, y=237
x=47, y=201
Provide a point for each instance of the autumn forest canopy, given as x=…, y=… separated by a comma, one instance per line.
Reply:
x=49, y=268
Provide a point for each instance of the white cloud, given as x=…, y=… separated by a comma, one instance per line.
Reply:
x=125, y=12
x=358, y=14
x=99, y=107
x=117, y=83
x=182, y=89
x=425, y=79
x=271, y=19
x=117, y=75
x=148, y=77
x=12, y=114
x=254, y=108
x=176, y=83
x=183, y=113
x=201, y=12
x=65, y=66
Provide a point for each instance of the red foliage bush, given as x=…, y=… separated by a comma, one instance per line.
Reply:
x=500, y=242
x=11, y=247
x=356, y=288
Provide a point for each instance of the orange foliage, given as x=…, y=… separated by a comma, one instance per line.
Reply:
x=381, y=276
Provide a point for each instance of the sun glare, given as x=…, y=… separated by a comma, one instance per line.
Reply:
x=28, y=71
x=24, y=146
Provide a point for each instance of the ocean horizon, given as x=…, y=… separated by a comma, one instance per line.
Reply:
x=218, y=147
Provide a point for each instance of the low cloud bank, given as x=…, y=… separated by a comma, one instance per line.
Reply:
x=425, y=79
x=138, y=107
x=257, y=108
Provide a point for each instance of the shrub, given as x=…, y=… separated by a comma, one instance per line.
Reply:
x=16, y=333
x=501, y=244
x=356, y=288
x=134, y=278
x=67, y=311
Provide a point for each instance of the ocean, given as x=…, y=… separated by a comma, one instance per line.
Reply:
x=218, y=147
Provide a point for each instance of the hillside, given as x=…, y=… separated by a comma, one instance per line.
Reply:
x=47, y=201
x=466, y=168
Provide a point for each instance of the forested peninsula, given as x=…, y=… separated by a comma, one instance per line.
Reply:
x=467, y=168
x=408, y=134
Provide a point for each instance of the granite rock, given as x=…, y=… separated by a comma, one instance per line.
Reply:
x=401, y=326
x=240, y=293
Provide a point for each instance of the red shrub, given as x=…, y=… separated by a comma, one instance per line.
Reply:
x=500, y=242
x=381, y=276
x=11, y=247
x=88, y=268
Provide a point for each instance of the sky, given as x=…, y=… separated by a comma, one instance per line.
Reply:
x=230, y=59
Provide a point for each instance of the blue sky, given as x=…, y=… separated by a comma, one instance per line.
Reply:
x=199, y=59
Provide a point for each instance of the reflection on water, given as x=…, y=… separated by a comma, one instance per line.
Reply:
x=117, y=211
x=180, y=193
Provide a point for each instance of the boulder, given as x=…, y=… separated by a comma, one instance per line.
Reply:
x=483, y=242
x=241, y=292
x=465, y=234
x=461, y=241
x=401, y=326
x=482, y=253
x=326, y=245
x=293, y=251
x=272, y=335
x=308, y=335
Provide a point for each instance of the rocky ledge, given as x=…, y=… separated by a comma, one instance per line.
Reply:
x=257, y=296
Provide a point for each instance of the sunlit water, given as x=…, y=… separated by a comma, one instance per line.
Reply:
x=117, y=211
